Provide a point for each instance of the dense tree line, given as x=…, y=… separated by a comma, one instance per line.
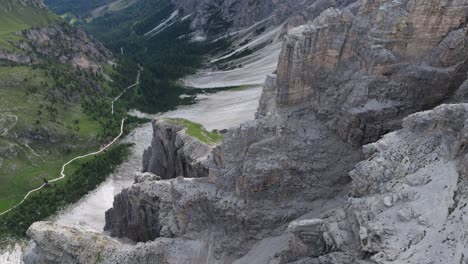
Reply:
x=49, y=200
x=165, y=57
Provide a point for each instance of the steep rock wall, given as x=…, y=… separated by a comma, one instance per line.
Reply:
x=364, y=73
x=134, y=215
x=173, y=153
x=297, y=152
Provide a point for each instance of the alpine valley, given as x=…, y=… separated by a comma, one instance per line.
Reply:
x=234, y=132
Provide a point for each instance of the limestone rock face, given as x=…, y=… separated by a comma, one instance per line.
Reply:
x=363, y=73
x=174, y=153
x=409, y=196
x=61, y=245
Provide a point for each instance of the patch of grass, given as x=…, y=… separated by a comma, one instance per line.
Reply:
x=197, y=131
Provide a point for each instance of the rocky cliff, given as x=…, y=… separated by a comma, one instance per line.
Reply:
x=364, y=72
x=68, y=44
x=174, y=153
x=33, y=33
x=216, y=17
x=297, y=185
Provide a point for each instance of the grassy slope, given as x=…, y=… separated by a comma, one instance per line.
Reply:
x=23, y=169
x=14, y=17
x=83, y=177
x=25, y=94
x=17, y=168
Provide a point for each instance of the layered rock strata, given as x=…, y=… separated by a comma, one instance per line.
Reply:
x=363, y=73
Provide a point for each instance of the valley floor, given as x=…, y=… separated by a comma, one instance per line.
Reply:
x=215, y=111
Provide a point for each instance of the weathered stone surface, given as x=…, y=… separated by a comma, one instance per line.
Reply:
x=173, y=153
x=60, y=41
x=68, y=44
x=410, y=195
x=134, y=215
x=14, y=57
x=363, y=73
x=57, y=245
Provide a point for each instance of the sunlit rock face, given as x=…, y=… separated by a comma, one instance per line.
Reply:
x=364, y=72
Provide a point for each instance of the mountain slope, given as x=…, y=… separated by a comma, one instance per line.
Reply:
x=52, y=89
x=19, y=15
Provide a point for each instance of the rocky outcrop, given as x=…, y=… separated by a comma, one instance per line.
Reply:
x=363, y=73
x=392, y=215
x=409, y=197
x=52, y=38
x=135, y=215
x=174, y=153
x=67, y=44
x=15, y=57
x=62, y=245
x=267, y=102
x=57, y=245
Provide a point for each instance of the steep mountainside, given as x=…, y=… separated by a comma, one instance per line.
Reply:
x=299, y=184
x=51, y=80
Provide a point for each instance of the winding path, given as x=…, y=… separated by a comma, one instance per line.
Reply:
x=62, y=172
x=126, y=89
